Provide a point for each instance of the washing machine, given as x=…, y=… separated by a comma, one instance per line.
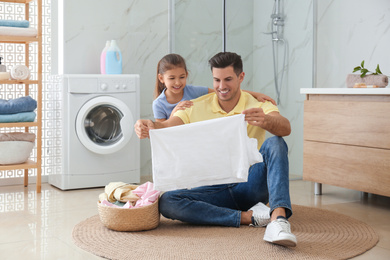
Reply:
x=94, y=140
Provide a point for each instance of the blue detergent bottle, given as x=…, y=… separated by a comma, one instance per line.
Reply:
x=113, y=59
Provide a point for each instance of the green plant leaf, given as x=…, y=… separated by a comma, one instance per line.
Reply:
x=378, y=71
x=363, y=74
x=356, y=69
x=362, y=64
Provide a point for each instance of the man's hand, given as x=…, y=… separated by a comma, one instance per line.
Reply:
x=272, y=122
x=142, y=128
x=255, y=116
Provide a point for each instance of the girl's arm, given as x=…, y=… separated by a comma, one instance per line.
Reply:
x=180, y=106
x=259, y=96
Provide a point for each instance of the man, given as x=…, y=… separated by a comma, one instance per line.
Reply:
x=238, y=203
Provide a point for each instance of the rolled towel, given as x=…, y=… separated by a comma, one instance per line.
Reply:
x=17, y=136
x=17, y=105
x=20, y=72
x=377, y=80
x=15, y=23
x=19, y=117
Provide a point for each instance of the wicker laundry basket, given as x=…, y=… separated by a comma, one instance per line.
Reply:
x=134, y=219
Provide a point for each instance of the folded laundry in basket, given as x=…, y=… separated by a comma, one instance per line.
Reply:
x=18, y=117
x=17, y=105
x=216, y=151
x=141, y=196
x=15, y=23
x=17, y=136
x=377, y=80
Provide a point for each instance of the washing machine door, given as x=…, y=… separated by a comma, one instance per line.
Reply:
x=104, y=125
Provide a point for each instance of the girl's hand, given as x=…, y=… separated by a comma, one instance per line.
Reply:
x=262, y=98
x=181, y=106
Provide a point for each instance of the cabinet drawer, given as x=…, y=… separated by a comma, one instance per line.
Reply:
x=353, y=167
x=348, y=122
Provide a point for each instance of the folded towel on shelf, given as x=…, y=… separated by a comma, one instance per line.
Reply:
x=15, y=23
x=377, y=80
x=16, y=31
x=17, y=105
x=17, y=136
x=19, y=117
x=20, y=72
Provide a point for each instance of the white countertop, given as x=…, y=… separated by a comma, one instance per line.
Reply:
x=347, y=91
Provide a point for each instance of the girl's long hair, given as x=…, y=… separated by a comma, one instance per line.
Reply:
x=168, y=62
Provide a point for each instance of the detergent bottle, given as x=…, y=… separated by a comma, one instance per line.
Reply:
x=103, y=58
x=113, y=59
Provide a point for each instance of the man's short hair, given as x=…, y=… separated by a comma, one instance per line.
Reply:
x=226, y=59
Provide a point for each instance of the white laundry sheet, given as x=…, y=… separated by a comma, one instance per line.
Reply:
x=216, y=151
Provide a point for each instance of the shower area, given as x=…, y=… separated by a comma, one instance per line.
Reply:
x=274, y=39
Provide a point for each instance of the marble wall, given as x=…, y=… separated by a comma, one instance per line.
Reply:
x=348, y=32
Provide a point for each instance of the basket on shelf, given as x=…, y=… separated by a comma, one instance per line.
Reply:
x=133, y=219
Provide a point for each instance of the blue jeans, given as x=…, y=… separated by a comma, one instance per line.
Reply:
x=222, y=204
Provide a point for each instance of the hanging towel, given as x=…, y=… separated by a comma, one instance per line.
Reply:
x=377, y=80
x=20, y=72
x=17, y=136
x=216, y=151
x=15, y=23
x=19, y=117
x=16, y=31
x=17, y=105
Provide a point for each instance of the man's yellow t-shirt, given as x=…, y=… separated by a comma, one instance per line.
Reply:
x=207, y=107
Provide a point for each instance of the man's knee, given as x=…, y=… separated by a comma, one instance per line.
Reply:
x=275, y=143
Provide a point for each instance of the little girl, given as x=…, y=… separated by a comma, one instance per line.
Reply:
x=172, y=93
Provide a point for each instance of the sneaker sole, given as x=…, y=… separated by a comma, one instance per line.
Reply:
x=282, y=242
x=264, y=223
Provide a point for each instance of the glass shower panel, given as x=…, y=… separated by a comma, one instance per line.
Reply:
x=197, y=36
x=239, y=35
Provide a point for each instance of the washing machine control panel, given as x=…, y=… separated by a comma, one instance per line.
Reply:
x=110, y=85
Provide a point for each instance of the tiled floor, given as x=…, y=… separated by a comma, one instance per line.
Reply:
x=40, y=226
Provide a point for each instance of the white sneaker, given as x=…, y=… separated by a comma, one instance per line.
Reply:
x=260, y=217
x=279, y=232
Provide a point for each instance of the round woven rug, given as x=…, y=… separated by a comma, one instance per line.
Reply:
x=321, y=234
